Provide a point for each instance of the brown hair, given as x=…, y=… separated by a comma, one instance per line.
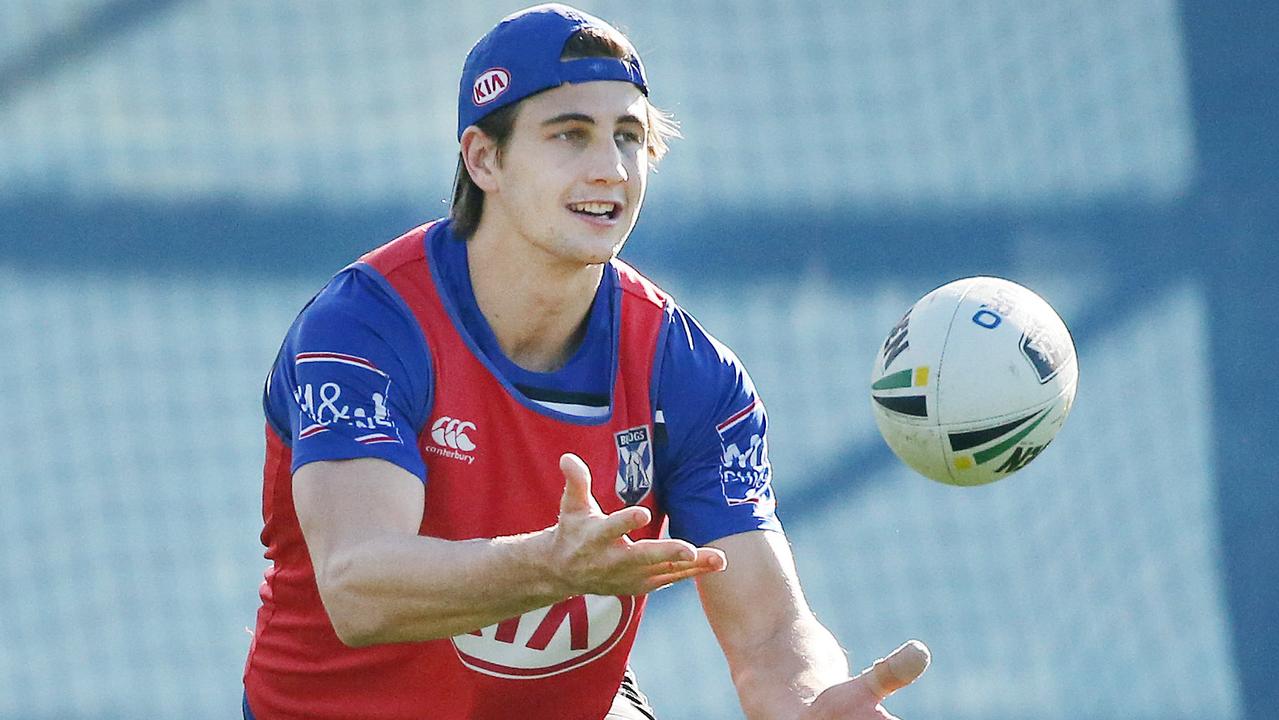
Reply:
x=468, y=198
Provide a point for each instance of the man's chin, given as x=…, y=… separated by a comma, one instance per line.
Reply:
x=597, y=251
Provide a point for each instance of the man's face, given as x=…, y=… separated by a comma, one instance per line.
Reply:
x=573, y=173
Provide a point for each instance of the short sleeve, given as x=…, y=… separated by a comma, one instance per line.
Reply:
x=352, y=377
x=711, y=456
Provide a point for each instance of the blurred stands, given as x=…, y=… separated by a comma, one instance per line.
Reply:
x=177, y=177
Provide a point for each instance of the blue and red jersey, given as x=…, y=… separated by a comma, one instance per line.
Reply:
x=394, y=360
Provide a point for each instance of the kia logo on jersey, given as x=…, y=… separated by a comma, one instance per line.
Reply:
x=550, y=640
x=490, y=85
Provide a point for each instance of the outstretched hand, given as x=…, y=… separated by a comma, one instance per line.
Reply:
x=859, y=698
x=591, y=554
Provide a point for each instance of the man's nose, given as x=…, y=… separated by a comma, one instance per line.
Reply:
x=608, y=164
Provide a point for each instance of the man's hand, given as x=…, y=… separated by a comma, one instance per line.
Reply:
x=591, y=554
x=858, y=698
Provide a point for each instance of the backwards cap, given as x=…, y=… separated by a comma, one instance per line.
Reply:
x=520, y=56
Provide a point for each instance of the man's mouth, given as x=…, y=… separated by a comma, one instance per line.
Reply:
x=599, y=209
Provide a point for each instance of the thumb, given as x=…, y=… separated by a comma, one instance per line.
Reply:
x=902, y=666
x=577, y=486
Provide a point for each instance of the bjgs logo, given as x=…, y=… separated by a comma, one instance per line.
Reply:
x=451, y=432
x=550, y=640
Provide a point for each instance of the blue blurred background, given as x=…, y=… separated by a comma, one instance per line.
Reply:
x=178, y=176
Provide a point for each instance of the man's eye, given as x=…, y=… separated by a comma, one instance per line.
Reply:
x=573, y=134
x=630, y=137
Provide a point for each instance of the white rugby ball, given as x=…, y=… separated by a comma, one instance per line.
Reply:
x=974, y=381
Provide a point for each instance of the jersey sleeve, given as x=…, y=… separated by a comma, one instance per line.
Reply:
x=352, y=377
x=711, y=454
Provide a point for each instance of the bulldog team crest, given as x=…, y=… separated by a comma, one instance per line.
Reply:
x=634, y=464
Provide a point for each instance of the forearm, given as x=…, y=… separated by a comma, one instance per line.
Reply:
x=382, y=582
x=779, y=655
x=777, y=677
x=399, y=588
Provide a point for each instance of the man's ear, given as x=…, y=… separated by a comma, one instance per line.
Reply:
x=482, y=158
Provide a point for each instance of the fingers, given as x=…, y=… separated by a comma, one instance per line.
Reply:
x=657, y=582
x=713, y=558
x=595, y=551
x=654, y=552
x=890, y=674
x=720, y=559
x=625, y=520
x=663, y=574
x=577, y=498
x=577, y=486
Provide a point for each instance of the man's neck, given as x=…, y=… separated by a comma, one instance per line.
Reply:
x=536, y=304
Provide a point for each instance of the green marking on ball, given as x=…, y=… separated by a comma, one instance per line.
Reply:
x=994, y=451
x=899, y=379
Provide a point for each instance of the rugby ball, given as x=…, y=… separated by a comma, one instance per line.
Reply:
x=974, y=381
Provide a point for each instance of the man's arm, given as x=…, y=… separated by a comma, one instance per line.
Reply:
x=784, y=663
x=382, y=582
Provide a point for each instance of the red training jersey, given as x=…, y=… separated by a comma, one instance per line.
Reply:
x=492, y=460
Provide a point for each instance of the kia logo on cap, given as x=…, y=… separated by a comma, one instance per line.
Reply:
x=489, y=85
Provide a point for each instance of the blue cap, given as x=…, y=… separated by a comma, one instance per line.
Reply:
x=521, y=56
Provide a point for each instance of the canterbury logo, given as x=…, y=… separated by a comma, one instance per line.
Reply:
x=451, y=432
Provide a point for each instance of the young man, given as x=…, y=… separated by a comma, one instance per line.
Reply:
x=476, y=433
